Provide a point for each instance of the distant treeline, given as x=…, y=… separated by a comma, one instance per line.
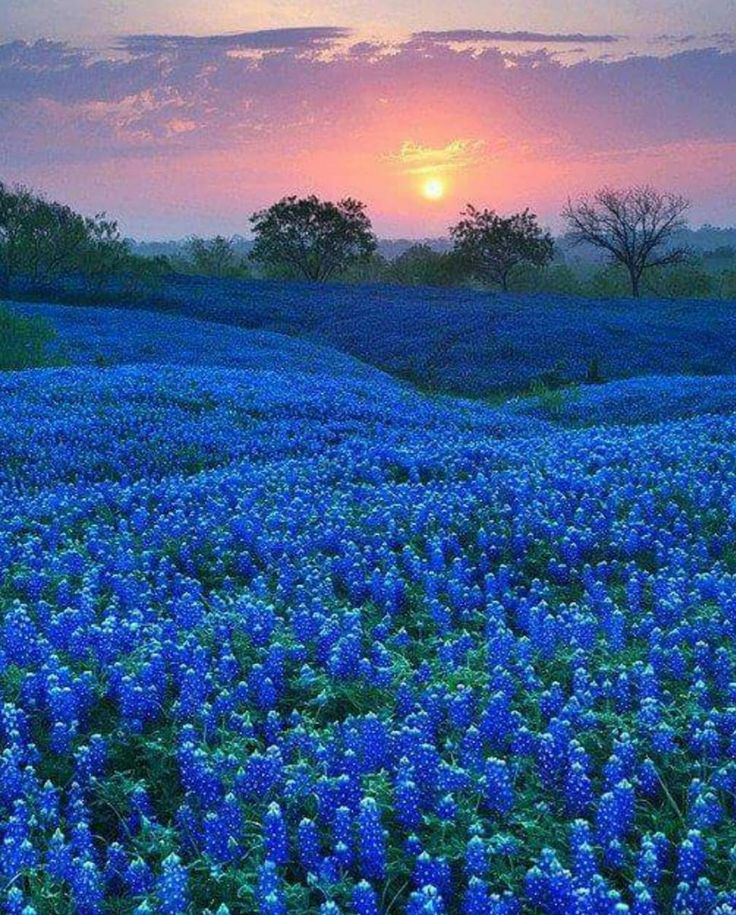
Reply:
x=705, y=240
x=618, y=242
x=708, y=269
x=708, y=273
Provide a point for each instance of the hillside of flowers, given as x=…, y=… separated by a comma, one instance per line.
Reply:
x=634, y=401
x=280, y=635
x=464, y=341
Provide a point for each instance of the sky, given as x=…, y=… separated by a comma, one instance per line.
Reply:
x=180, y=117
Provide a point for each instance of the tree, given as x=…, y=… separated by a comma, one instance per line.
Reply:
x=142, y=276
x=104, y=254
x=313, y=238
x=214, y=257
x=40, y=239
x=421, y=265
x=727, y=284
x=492, y=245
x=13, y=203
x=25, y=225
x=634, y=226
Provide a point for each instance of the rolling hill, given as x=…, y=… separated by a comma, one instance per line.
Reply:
x=278, y=633
x=472, y=343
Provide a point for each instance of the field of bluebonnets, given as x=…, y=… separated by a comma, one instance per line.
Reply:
x=461, y=340
x=282, y=635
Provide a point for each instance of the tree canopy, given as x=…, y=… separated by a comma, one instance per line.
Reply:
x=493, y=245
x=215, y=257
x=421, y=265
x=314, y=239
x=41, y=239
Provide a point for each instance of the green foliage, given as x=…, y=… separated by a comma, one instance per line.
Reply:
x=41, y=240
x=421, y=265
x=594, y=375
x=104, y=253
x=494, y=246
x=315, y=239
x=38, y=238
x=608, y=283
x=722, y=257
x=555, y=278
x=727, y=284
x=688, y=280
x=552, y=399
x=58, y=251
x=24, y=342
x=554, y=378
x=691, y=279
x=374, y=269
x=215, y=257
x=144, y=275
x=698, y=277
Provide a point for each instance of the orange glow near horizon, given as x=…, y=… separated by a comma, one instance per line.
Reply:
x=156, y=196
x=417, y=130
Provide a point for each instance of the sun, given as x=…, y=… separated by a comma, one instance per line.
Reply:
x=433, y=189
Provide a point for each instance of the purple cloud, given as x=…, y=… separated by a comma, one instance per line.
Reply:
x=317, y=109
x=264, y=40
x=196, y=91
x=471, y=36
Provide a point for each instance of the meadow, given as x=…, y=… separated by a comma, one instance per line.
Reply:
x=462, y=341
x=282, y=634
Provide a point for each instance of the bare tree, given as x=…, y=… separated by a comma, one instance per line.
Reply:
x=635, y=226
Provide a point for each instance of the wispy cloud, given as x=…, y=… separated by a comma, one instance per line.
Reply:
x=414, y=159
x=470, y=36
x=264, y=40
x=264, y=113
x=204, y=95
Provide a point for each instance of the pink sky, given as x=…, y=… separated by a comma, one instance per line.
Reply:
x=185, y=135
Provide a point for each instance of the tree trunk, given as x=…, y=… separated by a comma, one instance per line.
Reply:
x=635, y=284
x=4, y=282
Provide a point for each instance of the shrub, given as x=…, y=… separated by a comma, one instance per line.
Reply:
x=216, y=257
x=594, y=374
x=728, y=284
x=421, y=265
x=608, y=283
x=24, y=342
x=682, y=281
x=550, y=400
x=558, y=279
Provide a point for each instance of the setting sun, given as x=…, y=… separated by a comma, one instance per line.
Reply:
x=433, y=189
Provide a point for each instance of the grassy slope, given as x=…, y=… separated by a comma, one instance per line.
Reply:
x=196, y=442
